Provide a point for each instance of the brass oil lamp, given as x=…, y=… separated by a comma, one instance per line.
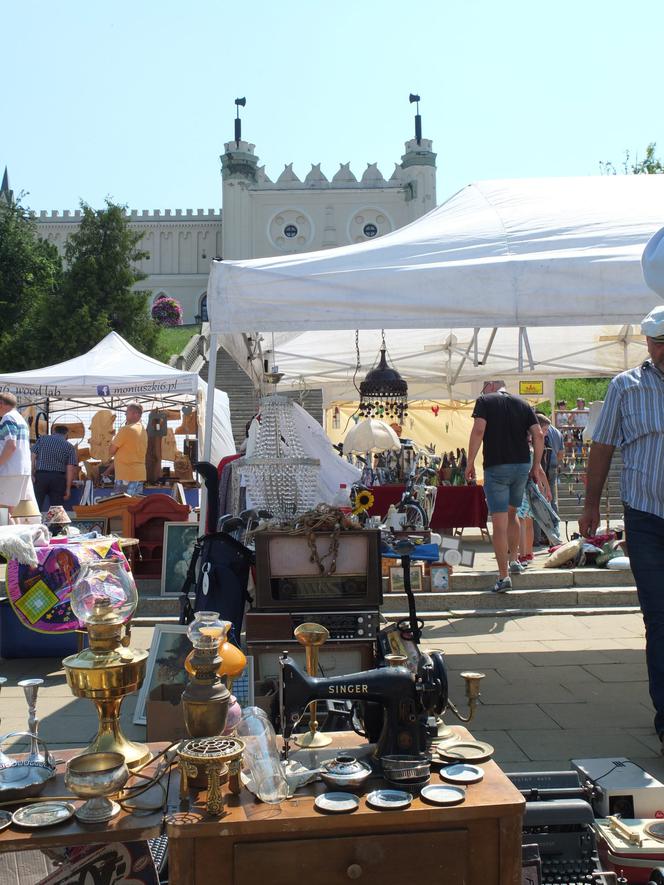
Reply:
x=103, y=599
x=205, y=700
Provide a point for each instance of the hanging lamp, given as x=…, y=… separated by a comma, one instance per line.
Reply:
x=383, y=393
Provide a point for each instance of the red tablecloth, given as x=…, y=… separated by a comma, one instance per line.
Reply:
x=457, y=507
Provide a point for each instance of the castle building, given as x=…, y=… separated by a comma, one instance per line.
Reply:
x=262, y=218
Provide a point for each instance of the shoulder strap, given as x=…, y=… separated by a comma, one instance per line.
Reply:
x=186, y=610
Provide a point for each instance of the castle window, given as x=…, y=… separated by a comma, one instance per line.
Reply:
x=290, y=231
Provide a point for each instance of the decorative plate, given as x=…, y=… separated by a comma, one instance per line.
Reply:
x=462, y=773
x=389, y=799
x=441, y=794
x=466, y=751
x=5, y=820
x=336, y=803
x=43, y=814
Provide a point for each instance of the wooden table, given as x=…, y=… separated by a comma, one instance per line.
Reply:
x=476, y=843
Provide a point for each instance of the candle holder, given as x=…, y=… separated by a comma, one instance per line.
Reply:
x=312, y=637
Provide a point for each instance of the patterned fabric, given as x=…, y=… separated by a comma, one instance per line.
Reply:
x=13, y=427
x=632, y=418
x=54, y=453
x=40, y=595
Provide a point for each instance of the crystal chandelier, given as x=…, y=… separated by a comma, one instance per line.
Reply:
x=278, y=475
x=383, y=393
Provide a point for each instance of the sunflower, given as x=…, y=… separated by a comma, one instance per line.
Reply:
x=364, y=501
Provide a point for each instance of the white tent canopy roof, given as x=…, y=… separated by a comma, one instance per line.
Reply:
x=554, y=265
x=113, y=370
x=112, y=364
x=532, y=252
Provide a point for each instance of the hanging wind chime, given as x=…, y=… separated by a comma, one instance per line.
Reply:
x=384, y=393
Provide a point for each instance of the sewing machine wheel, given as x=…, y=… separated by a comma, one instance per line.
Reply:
x=440, y=673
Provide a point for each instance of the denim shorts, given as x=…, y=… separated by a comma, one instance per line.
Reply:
x=504, y=484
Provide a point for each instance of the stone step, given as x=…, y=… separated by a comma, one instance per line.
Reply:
x=518, y=599
x=547, y=579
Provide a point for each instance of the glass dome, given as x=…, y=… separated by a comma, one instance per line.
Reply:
x=104, y=593
x=207, y=630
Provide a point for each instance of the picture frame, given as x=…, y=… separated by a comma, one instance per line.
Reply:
x=179, y=541
x=165, y=665
x=391, y=641
x=440, y=578
x=101, y=525
x=416, y=578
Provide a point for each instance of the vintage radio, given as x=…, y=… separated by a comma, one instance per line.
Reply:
x=288, y=576
x=344, y=626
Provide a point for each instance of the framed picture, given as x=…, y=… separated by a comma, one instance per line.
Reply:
x=92, y=525
x=440, y=578
x=179, y=542
x=416, y=578
x=165, y=666
x=392, y=642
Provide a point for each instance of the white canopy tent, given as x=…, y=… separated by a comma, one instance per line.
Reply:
x=538, y=276
x=114, y=372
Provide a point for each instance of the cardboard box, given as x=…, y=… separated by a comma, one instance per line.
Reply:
x=163, y=712
x=265, y=695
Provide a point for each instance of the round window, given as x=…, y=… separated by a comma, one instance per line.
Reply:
x=369, y=230
x=290, y=231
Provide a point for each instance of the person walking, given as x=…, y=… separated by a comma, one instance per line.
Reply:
x=128, y=450
x=502, y=424
x=554, y=443
x=15, y=463
x=632, y=418
x=55, y=464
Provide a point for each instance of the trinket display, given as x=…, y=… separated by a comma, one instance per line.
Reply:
x=30, y=690
x=389, y=800
x=219, y=760
x=95, y=777
x=468, y=751
x=44, y=814
x=104, y=599
x=24, y=778
x=462, y=773
x=261, y=756
x=441, y=794
x=344, y=772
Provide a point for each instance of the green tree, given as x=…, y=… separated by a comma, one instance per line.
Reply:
x=97, y=294
x=649, y=165
x=30, y=277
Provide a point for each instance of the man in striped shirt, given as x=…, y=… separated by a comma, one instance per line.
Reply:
x=632, y=417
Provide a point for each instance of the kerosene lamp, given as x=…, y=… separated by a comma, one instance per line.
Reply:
x=104, y=598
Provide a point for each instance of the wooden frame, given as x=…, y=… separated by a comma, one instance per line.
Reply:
x=440, y=578
x=416, y=578
x=179, y=541
x=161, y=648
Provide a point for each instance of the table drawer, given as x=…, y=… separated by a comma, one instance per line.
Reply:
x=433, y=856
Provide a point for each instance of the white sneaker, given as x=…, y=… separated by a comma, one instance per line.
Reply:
x=516, y=568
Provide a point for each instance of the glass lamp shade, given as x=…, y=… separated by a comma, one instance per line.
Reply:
x=207, y=631
x=104, y=593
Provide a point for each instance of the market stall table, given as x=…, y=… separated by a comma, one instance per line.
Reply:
x=457, y=507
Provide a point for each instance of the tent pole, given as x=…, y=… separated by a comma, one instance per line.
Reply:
x=209, y=415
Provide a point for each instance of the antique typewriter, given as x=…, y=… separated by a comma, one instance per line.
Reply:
x=558, y=819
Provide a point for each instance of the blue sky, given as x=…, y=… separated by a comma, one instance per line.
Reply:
x=134, y=100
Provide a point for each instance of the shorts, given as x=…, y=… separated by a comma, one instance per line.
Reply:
x=14, y=489
x=129, y=487
x=504, y=485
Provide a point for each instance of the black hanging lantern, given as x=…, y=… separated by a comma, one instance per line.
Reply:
x=384, y=393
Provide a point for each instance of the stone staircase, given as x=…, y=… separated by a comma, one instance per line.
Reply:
x=572, y=490
x=572, y=591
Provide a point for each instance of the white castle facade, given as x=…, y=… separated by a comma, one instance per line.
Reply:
x=263, y=218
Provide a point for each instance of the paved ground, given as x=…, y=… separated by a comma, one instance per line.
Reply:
x=557, y=687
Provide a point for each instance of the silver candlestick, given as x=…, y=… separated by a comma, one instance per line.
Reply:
x=30, y=689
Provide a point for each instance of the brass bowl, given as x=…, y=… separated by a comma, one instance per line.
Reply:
x=95, y=776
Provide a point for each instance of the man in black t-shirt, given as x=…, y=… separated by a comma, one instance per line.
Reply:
x=502, y=425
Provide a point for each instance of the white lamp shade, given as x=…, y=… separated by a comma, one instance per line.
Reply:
x=371, y=435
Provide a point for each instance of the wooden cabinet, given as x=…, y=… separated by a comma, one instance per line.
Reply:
x=475, y=843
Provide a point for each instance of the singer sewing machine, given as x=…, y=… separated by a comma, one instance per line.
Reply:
x=395, y=709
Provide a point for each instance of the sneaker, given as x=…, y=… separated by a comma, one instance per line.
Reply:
x=502, y=585
x=516, y=568
x=523, y=560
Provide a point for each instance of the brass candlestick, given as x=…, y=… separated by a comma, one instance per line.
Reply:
x=312, y=636
x=445, y=734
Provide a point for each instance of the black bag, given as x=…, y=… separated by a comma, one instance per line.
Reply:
x=219, y=571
